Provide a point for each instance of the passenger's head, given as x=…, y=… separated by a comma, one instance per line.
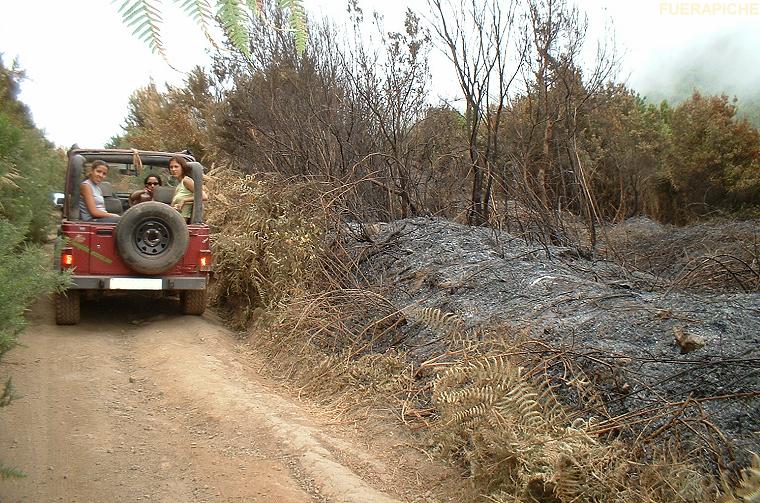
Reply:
x=151, y=182
x=179, y=167
x=98, y=171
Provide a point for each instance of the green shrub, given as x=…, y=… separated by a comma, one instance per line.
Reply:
x=29, y=170
x=30, y=166
x=24, y=274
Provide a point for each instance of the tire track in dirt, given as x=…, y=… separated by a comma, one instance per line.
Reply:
x=222, y=391
x=167, y=408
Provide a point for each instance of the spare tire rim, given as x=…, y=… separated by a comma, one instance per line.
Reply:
x=152, y=237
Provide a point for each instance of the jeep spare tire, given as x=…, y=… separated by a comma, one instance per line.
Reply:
x=151, y=237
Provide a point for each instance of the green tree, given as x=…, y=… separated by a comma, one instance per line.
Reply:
x=627, y=139
x=714, y=162
x=29, y=165
x=171, y=121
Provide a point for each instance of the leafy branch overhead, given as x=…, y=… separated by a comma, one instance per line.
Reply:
x=144, y=17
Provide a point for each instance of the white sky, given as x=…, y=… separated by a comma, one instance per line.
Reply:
x=82, y=63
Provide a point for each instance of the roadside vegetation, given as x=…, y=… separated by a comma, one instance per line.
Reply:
x=29, y=169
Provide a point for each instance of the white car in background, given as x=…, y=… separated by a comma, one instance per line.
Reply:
x=57, y=198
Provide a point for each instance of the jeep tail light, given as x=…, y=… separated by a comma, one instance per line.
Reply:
x=204, y=260
x=67, y=258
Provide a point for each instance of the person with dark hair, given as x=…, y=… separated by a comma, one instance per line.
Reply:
x=148, y=192
x=184, y=193
x=92, y=205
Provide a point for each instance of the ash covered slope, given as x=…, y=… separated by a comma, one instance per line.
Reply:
x=616, y=326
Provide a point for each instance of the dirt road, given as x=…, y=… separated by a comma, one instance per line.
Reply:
x=132, y=407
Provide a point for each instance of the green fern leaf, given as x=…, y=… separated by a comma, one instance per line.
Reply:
x=297, y=21
x=199, y=11
x=232, y=16
x=145, y=17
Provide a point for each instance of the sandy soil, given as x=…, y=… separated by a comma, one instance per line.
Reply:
x=127, y=407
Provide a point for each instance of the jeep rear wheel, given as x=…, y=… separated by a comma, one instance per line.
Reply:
x=151, y=237
x=193, y=301
x=66, y=307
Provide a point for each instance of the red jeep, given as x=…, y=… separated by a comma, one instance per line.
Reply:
x=150, y=248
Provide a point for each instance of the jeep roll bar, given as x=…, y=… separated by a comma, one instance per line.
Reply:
x=127, y=156
x=74, y=178
x=196, y=172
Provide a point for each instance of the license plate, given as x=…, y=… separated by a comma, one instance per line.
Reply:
x=135, y=284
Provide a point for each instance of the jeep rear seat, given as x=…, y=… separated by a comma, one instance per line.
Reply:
x=164, y=194
x=113, y=204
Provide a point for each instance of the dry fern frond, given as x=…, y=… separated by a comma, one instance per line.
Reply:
x=490, y=389
x=567, y=479
x=483, y=394
x=519, y=445
x=748, y=490
x=448, y=323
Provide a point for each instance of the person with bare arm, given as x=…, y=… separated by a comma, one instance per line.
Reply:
x=92, y=206
x=184, y=193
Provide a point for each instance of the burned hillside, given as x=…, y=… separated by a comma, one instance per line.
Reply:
x=639, y=358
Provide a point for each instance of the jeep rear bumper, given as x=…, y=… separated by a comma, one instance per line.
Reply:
x=132, y=283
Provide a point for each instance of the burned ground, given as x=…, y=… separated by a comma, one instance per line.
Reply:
x=604, y=336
